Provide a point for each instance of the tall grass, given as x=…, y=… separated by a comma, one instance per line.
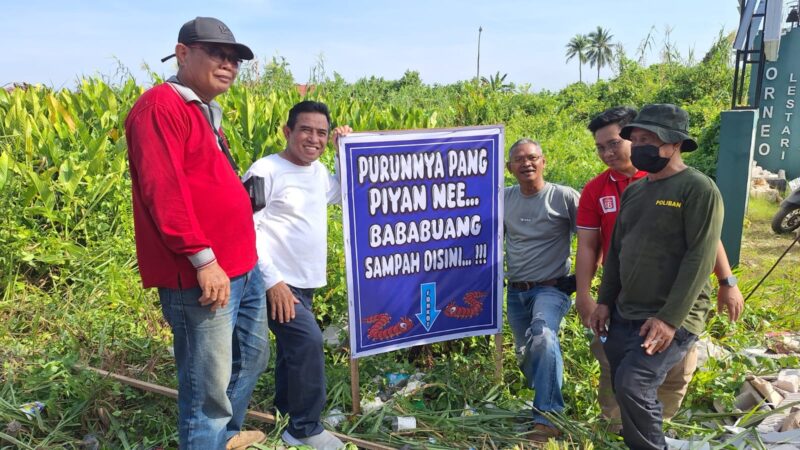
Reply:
x=70, y=292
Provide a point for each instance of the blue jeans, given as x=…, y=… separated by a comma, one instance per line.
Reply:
x=535, y=316
x=636, y=377
x=219, y=357
x=300, y=368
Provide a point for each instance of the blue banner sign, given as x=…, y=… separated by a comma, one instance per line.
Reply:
x=422, y=215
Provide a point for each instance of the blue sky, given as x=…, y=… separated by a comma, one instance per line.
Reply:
x=55, y=42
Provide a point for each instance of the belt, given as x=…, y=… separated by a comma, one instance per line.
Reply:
x=528, y=285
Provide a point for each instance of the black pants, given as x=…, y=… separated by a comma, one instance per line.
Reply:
x=636, y=377
x=300, y=368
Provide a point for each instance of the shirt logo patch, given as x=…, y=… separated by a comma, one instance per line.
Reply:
x=670, y=203
x=609, y=204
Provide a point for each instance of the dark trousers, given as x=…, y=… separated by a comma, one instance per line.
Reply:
x=636, y=377
x=300, y=368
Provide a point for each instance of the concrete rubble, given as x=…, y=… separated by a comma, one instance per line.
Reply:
x=783, y=342
x=706, y=350
x=777, y=398
x=767, y=185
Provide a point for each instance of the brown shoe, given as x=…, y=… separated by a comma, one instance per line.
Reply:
x=543, y=433
x=245, y=439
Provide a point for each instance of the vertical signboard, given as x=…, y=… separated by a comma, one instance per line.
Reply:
x=777, y=144
x=422, y=218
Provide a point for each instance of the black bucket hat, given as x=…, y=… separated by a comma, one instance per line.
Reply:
x=669, y=122
x=212, y=31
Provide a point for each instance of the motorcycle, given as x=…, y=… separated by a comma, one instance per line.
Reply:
x=787, y=219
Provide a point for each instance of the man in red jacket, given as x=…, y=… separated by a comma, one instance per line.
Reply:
x=195, y=238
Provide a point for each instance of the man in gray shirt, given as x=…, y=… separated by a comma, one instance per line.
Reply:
x=539, y=222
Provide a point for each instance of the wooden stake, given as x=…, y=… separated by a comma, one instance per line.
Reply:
x=498, y=357
x=255, y=415
x=355, y=386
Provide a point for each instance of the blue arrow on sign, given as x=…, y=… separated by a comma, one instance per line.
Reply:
x=427, y=305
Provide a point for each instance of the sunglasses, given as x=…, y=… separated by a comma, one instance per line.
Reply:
x=218, y=54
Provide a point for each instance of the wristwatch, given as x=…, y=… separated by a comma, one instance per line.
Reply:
x=729, y=281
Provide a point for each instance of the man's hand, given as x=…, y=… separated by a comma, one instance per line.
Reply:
x=585, y=305
x=342, y=130
x=730, y=298
x=659, y=335
x=216, y=286
x=598, y=321
x=281, y=302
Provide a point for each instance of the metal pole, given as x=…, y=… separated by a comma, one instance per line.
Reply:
x=478, y=75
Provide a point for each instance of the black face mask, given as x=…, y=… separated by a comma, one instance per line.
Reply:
x=646, y=157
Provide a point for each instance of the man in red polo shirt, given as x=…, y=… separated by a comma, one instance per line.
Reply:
x=195, y=239
x=597, y=212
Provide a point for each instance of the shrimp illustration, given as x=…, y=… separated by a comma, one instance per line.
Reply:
x=474, y=301
x=377, y=332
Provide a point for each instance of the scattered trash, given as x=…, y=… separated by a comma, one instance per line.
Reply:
x=520, y=428
x=31, y=408
x=794, y=184
x=418, y=405
x=468, y=411
x=432, y=440
x=13, y=428
x=103, y=416
x=410, y=387
x=171, y=351
x=332, y=336
x=334, y=418
x=754, y=353
x=372, y=405
x=417, y=376
x=395, y=379
x=403, y=423
x=679, y=444
x=708, y=350
x=783, y=342
x=89, y=442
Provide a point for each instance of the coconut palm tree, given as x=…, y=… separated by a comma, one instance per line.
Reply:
x=497, y=83
x=578, y=46
x=600, y=49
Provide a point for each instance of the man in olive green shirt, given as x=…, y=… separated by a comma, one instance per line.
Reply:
x=655, y=281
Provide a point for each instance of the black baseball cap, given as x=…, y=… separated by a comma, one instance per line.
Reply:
x=212, y=31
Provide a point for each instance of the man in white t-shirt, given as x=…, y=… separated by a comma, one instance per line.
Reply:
x=291, y=239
